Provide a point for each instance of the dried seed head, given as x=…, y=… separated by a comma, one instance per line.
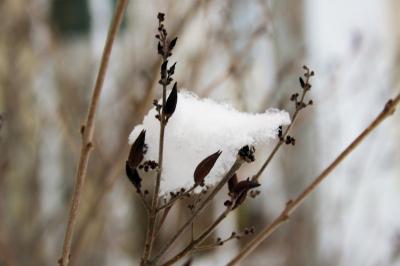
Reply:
x=280, y=132
x=171, y=102
x=137, y=150
x=161, y=16
x=247, y=153
x=290, y=140
x=204, y=168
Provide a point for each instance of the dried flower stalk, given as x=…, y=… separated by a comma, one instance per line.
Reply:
x=168, y=107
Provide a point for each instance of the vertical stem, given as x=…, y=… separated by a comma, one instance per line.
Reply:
x=150, y=236
x=281, y=141
x=87, y=131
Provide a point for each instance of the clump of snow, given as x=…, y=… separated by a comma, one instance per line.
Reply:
x=200, y=127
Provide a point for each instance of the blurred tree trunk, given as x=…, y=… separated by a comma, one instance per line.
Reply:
x=19, y=184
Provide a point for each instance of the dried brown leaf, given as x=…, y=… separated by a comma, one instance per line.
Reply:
x=136, y=153
x=204, y=168
x=171, y=102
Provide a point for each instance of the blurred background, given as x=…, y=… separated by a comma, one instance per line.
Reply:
x=246, y=53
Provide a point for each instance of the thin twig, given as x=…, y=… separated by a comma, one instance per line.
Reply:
x=219, y=243
x=194, y=205
x=162, y=220
x=88, y=129
x=180, y=196
x=204, y=204
x=292, y=205
x=282, y=139
x=199, y=239
x=151, y=230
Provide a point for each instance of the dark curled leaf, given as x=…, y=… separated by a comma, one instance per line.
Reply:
x=173, y=43
x=302, y=83
x=232, y=183
x=245, y=185
x=133, y=176
x=160, y=48
x=171, y=102
x=171, y=70
x=204, y=168
x=137, y=150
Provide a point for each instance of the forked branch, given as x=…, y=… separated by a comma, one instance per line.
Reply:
x=292, y=205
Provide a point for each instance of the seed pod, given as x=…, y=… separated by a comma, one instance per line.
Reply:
x=245, y=185
x=170, y=104
x=137, y=150
x=302, y=83
x=161, y=16
x=173, y=43
x=204, y=168
x=133, y=176
x=160, y=48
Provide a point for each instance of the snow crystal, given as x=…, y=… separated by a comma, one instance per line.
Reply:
x=200, y=127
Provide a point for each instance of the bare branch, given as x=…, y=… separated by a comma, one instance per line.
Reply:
x=88, y=129
x=292, y=205
x=281, y=141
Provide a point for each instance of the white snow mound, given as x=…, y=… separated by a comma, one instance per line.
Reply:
x=200, y=127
